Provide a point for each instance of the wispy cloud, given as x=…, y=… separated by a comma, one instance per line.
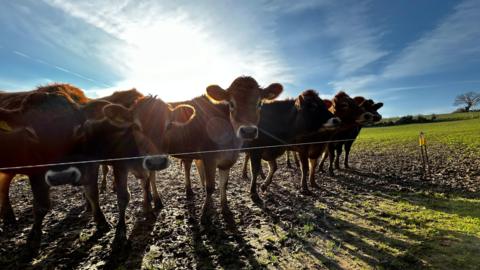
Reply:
x=178, y=51
x=453, y=41
x=24, y=55
x=359, y=43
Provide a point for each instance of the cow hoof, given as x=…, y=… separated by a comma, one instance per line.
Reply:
x=263, y=176
x=205, y=219
x=28, y=253
x=120, y=235
x=33, y=244
x=306, y=192
x=149, y=216
x=158, y=204
x=9, y=220
x=314, y=185
x=226, y=211
x=256, y=198
x=263, y=188
x=189, y=193
x=103, y=227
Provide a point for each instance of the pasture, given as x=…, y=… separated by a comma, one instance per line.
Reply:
x=380, y=215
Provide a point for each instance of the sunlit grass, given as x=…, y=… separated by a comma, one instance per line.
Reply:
x=462, y=133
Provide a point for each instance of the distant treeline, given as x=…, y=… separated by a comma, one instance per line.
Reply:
x=419, y=119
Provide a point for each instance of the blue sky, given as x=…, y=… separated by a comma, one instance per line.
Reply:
x=415, y=56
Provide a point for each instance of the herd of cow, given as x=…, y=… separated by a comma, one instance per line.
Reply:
x=58, y=130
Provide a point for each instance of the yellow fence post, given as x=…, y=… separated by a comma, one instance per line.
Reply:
x=422, y=142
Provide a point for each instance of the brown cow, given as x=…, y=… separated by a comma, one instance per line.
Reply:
x=45, y=112
x=46, y=109
x=116, y=145
x=350, y=115
x=283, y=122
x=224, y=120
x=350, y=134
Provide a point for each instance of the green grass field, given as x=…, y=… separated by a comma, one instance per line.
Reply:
x=464, y=132
x=443, y=117
x=433, y=230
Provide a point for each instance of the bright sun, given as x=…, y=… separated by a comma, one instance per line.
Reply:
x=175, y=60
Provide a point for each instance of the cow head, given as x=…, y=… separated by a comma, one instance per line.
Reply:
x=349, y=111
x=370, y=106
x=16, y=139
x=159, y=119
x=244, y=98
x=315, y=111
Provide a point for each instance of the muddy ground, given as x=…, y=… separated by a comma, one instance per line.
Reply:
x=289, y=230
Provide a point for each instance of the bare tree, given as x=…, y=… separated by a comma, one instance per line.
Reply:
x=469, y=100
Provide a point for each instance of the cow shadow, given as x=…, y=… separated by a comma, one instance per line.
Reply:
x=220, y=239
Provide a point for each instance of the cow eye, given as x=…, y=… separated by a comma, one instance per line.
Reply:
x=231, y=105
x=168, y=125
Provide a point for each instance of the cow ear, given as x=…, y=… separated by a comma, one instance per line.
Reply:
x=272, y=91
x=359, y=100
x=182, y=114
x=299, y=102
x=5, y=126
x=328, y=103
x=78, y=133
x=94, y=110
x=377, y=106
x=32, y=135
x=217, y=94
x=117, y=114
x=9, y=118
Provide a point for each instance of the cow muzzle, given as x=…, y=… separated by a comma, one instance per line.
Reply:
x=365, y=118
x=247, y=132
x=332, y=123
x=70, y=176
x=156, y=163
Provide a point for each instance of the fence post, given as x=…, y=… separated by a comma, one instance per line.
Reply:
x=422, y=142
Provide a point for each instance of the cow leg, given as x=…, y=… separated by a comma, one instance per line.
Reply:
x=6, y=210
x=297, y=161
x=103, y=186
x=348, y=146
x=91, y=194
x=322, y=161
x=209, y=168
x=245, y=166
x=289, y=165
x=147, y=197
x=88, y=206
x=255, y=166
x=187, y=164
x=331, y=156
x=201, y=171
x=304, y=167
x=338, y=149
x=41, y=205
x=123, y=197
x=272, y=168
x=312, y=164
x=224, y=176
x=262, y=174
x=157, y=200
